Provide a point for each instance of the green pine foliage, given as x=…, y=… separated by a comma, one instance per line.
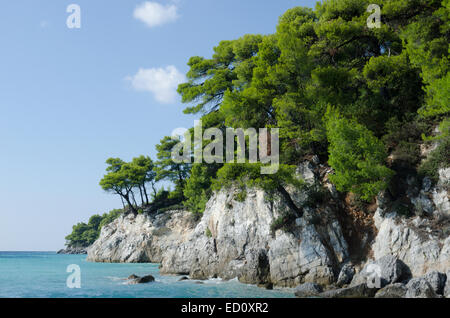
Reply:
x=84, y=235
x=357, y=157
x=333, y=86
x=397, y=73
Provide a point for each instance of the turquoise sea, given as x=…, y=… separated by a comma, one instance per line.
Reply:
x=43, y=274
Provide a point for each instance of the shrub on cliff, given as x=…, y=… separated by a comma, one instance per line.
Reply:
x=357, y=157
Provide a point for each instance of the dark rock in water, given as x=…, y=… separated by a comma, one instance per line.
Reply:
x=73, y=251
x=133, y=277
x=346, y=275
x=308, y=290
x=437, y=281
x=145, y=279
x=420, y=288
x=141, y=280
x=199, y=283
x=183, y=278
x=359, y=291
x=397, y=290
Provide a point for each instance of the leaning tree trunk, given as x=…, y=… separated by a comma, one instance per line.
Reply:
x=145, y=193
x=142, y=196
x=154, y=189
x=134, y=199
x=132, y=208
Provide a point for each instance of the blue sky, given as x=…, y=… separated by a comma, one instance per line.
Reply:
x=71, y=98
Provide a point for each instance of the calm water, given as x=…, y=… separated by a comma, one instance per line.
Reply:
x=43, y=274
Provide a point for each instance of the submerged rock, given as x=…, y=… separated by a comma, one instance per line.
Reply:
x=145, y=279
x=133, y=277
x=142, y=280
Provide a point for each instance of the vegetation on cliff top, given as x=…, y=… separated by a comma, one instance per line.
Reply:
x=83, y=235
x=335, y=87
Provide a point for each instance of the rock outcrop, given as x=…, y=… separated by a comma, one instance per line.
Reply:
x=359, y=291
x=437, y=281
x=241, y=244
x=422, y=243
x=308, y=290
x=246, y=239
x=73, y=250
x=346, y=275
x=384, y=271
x=419, y=288
x=397, y=290
x=440, y=193
x=141, y=238
x=235, y=239
x=447, y=286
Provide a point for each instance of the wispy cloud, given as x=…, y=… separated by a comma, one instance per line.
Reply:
x=161, y=82
x=154, y=14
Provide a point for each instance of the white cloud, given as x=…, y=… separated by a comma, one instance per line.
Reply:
x=161, y=82
x=154, y=14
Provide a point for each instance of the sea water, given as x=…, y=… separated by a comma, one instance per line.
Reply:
x=43, y=275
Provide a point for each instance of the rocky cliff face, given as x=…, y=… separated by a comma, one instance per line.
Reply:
x=234, y=239
x=237, y=239
x=421, y=242
x=141, y=238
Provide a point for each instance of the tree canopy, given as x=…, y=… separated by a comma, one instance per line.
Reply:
x=334, y=86
x=84, y=235
x=320, y=58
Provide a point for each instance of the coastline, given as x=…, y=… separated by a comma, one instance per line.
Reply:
x=235, y=239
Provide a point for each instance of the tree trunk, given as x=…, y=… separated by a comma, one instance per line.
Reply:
x=154, y=189
x=142, y=196
x=127, y=198
x=134, y=199
x=145, y=193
